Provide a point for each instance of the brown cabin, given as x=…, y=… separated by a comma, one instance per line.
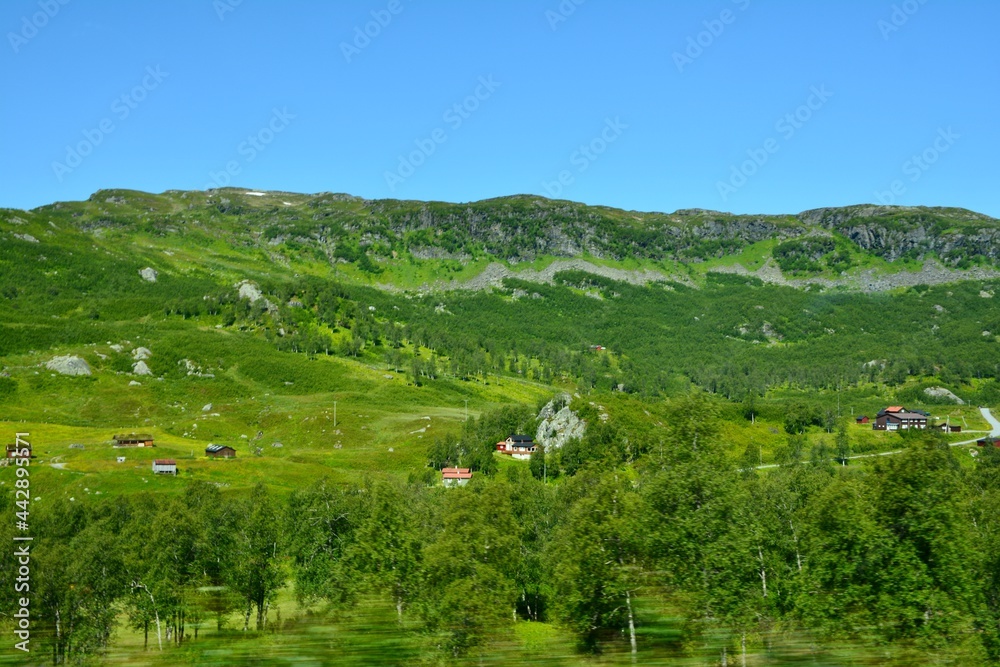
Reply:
x=220, y=452
x=17, y=451
x=898, y=418
x=863, y=419
x=133, y=440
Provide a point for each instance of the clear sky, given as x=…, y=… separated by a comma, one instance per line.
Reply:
x=751, y=106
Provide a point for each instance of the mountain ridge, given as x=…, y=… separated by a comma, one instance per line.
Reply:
x=860, y=247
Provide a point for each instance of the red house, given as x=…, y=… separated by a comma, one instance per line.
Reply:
x=863, y=419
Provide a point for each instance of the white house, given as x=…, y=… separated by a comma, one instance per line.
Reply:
x=456, y=476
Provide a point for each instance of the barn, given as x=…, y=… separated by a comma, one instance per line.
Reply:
x=164, y=467
x=133, y=440
x=220, y=452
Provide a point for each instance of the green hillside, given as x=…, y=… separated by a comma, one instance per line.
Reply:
x=349, y=349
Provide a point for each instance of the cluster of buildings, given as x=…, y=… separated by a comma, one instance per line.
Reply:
x=898, y=418
x=519, y=447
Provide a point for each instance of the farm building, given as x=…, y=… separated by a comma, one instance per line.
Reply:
x=456, y=476
x=982, y=442
x=898, y=418
x=133, y=440
x=17, y=452
x=220, y=452
x=164, y=467
x=517, y=446
x=863, y=419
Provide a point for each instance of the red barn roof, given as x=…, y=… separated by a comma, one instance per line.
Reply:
x=456, y=473
x=165, y=462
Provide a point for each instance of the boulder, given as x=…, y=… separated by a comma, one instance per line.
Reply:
x=140, y=368
x=69, y=365
x=941, y=392
x=149, y=274
x=141, y=353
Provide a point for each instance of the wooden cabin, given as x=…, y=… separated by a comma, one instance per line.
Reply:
x=133, y=440
x=220, y=452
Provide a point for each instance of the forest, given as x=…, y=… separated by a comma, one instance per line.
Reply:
x=666, y=550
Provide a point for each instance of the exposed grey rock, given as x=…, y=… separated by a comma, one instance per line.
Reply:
x=26, y=237
x=140, y=368
x=69, y=365
x=941, y=392
x=558, y=424
x=141, y=353
x=249, y=290
x=149, y=274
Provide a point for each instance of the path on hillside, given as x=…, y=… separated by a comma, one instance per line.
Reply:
x=994, y=424
x=987, y=415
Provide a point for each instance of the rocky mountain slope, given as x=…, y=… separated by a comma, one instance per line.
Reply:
x=858, y=247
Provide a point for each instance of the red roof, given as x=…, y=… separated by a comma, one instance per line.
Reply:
x=456, y=473
x=895, y=408
x=165, y=462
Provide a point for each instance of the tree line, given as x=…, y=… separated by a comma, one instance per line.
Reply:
x=669, y=548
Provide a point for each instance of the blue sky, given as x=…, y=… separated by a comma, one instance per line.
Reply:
x=751, y=106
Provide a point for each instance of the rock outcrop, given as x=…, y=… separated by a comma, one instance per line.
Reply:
x=941, y=392
x=69, y=365
x=558, y=424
